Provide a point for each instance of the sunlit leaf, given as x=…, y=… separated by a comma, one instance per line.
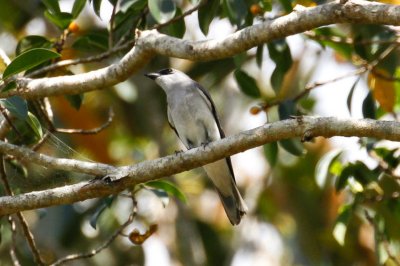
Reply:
x=247, y=84
x=162, y=10
x=383, y=89
x=271, y=153
x=28, y=60
x=293, y=146
x=78, y=7
x=17, y=106
x=340, y=229
x=35, y=125
x=323, y=166
x=168, y=187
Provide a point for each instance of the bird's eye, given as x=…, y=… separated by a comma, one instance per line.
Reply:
x=166, y=71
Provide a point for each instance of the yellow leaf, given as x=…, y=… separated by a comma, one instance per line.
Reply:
x=382, y=88
x=137, y=238
x=306, y=3
x=392, y=2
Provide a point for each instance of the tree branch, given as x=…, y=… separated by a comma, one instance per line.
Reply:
x=303, y=127
x=150, y=43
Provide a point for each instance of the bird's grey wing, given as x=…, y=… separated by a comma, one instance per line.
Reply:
x=207, y=97
x=171, y=121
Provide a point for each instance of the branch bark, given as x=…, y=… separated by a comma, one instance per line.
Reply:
x=127, y=176
x=150, y=43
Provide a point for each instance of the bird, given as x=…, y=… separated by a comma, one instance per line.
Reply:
x=192, y=115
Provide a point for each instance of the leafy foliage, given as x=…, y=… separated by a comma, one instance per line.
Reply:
x=315, y=196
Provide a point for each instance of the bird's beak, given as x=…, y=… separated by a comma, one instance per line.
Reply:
x=152, y=76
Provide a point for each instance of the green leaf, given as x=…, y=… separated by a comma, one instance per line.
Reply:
x=162, y=10
x=28, y=60
x=77, y=8
x=369, y=106
x=52, y=6
x=30, y=42
x=105, y=203
x=343, y=49
x=92, y=42
x=287, y=5
x=247, y=84
x=286, y=109
x=207, y=13
x=271, y=153
x=176, y=29
x=292, y=146
x=237, y=11
x=75, y=100
x=350, y=96
x=259, y=55
x=340, y=229
x=97, y=6
x=35, y=125
x=168, y=187
x=323, y=166
x=61, y=20
x=10, y=86
x=359, y=171
x=126, y=18
x=279, y=52
x=17, y=106
x=113, y=2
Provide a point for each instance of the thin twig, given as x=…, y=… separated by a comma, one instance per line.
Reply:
x=88, y=131
x=92, y=131
x=347, y=40
x=25, y=228
x=312, y=86
x=184, y=14
x=102, y=246
x=89, y=59
x=366, y=67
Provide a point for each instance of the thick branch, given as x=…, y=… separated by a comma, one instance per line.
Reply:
x=150, y=43
x=303, y=127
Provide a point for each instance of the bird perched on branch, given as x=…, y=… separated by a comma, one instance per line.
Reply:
x=193, y=117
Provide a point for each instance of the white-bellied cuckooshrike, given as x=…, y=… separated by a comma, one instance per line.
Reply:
x=192, y=115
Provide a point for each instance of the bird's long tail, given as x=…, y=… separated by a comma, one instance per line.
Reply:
x=222, y=177
x=233, y=204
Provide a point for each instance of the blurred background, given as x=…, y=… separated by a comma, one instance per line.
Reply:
x=299, y=213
